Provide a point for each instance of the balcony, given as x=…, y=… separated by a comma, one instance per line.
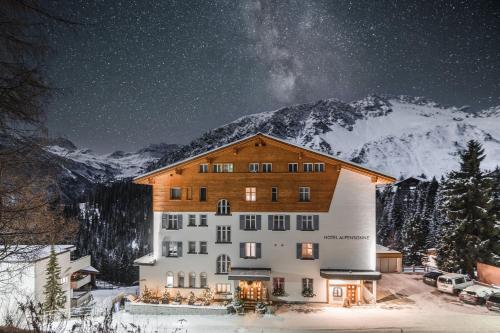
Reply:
x=77, y=284
x=80, y=263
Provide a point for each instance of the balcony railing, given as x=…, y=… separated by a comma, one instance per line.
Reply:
x=80, y=263
x=80, y=283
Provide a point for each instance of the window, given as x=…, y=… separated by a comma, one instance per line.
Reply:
x=307, y=251
x=250, y=222
x=223, y=207
x=293, y=167
x=304, y=194
x=337, y=292
x=175, y=193
x=203, y=220
x=203, y=194
x=171, y=222
x=319, y=167
x=253, y=167
x=223, y=234
x=267, y=167
x=278, y=284
x=307, y=285
x=250, y=250
x=203, y=248
x=223, y=167
x=223, y=264
x=192, y=247
x=192, y=280
x=222, y=288
x=170, y=280
x=180, y=279
x=307, y=222
x=308, y=167
x=279, y=222
x=191, y=220
x=274, y=194
x=250, y=194
x=203, y=168
x=203, y=280
x=171, y=249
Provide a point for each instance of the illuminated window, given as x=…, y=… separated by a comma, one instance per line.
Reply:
x=170, y=280
x=250, y=194
x=250, y=250
x=223, y=288
x=307, y=250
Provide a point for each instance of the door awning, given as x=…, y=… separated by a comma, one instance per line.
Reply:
x=250, y=274
x=344, y=274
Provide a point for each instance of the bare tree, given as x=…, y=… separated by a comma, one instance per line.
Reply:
x=30, y=212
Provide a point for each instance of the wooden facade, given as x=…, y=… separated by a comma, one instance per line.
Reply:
x=231, y=186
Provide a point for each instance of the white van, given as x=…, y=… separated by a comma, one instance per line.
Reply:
x=453, y=283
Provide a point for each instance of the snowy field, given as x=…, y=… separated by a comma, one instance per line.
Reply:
x=405, y=305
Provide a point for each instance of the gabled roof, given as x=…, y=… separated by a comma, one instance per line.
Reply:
x=381, y=177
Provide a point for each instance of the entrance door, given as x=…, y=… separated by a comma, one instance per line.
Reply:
x=352, y=291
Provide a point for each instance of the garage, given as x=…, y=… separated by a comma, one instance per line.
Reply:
x=389, y=261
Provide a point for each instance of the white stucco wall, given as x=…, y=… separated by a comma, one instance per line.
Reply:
x=352, y=213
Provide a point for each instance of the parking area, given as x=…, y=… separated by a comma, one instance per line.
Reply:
x=407, y=289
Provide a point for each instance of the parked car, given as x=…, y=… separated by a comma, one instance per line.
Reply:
x=430, y=278
x=453, y=283
x=475, y=294
x=493, y=302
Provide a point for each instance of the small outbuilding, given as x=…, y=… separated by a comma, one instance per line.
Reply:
x=389, y=261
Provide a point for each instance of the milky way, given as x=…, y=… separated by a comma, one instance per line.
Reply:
x=136, y=73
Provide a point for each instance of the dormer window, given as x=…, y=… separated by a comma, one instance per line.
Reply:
x=223, y=207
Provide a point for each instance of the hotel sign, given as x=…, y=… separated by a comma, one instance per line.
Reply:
x=347, y=237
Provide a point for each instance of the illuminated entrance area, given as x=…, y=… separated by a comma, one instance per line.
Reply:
x=344, y=292
x=253, y=290
x=348, y=287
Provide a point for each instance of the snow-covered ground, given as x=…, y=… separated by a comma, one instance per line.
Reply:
x=405, y=305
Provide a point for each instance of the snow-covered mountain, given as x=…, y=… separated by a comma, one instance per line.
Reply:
x=400, y=135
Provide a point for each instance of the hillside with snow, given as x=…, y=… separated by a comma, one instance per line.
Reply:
x=399, y=135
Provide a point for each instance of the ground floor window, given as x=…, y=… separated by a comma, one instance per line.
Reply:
x=337, y=292
x=307, y=287
x=221, y=288
x=278, y=286
x=180, y=279
x=192, y=280
x=203, y=280
x=170, y=280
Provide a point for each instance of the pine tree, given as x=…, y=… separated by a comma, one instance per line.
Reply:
x=495, y=213
x=55, y=297
x=467, y=203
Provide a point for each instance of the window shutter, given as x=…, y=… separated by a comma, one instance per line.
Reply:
x=287, y=222
x=242, y=222
x=269, y=222
x=179, y=249
x=259, y=222
x=258, y=251
x=164, y=218
x=316, y=222
x=316, y=250
x=299, y=222
x=299, y=250
x=179, y=221
x=242, y=250
x=164, y=248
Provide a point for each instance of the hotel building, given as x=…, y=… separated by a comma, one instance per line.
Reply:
x=265, y=218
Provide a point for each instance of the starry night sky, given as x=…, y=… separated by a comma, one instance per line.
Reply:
x=136, y=73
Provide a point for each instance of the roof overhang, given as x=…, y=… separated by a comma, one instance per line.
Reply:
x=342, y=274
x=377, y=177
x=250, y=274
x=147, y=260
x=89, y=269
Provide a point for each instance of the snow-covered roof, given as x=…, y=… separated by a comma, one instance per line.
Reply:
x=383, y=249
x=89, y=269
x=173, y=165
x=31, y=253
x=148, y=260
